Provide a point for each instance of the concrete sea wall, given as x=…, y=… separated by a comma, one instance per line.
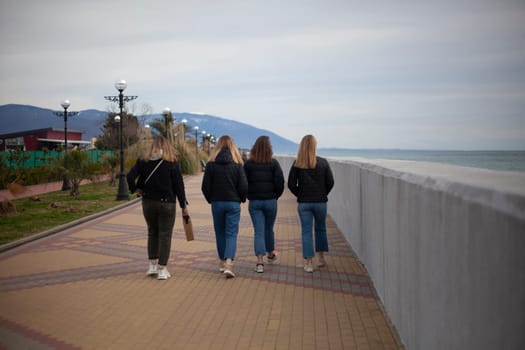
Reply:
x=444, y=246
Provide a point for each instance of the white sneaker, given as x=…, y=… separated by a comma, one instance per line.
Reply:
x=228, y=271
x=163, y=273
x=221, y=266
x=259, y=268
x=308, y=268
x=153, y=269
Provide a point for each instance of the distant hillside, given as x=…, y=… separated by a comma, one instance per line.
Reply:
x=15, y=118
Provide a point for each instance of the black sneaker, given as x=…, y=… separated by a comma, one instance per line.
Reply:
x=272, y=259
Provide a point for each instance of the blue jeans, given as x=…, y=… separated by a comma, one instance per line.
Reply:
x=160, y=218
x=313, y=214
x=263, y=213
x=226, y=217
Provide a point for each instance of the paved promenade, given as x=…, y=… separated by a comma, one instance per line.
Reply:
x=86, y=288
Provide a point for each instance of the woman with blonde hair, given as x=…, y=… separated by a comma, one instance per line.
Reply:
x=160, y=185
x=224, y=185
x=265, y=186
x=310, y=180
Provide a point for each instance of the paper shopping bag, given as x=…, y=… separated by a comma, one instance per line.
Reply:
x=188, y=227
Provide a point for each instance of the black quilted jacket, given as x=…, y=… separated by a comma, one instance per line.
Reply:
x=166, y=183
x=265, y=181
x=311, y=185
x=224, y=180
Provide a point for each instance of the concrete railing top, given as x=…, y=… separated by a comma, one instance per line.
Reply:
x=501, y=181
x=504, y=191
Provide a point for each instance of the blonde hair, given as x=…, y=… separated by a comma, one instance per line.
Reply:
x=161, y=148
x=225, y=142
x=307, y=154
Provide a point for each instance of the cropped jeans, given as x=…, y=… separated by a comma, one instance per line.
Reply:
x=160, y=218
x=313, y=215
x=263, y=213
x=226, y=217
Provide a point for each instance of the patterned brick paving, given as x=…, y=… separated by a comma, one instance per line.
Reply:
x=86, y=288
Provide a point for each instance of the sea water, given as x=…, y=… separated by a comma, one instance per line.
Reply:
x=494, y=160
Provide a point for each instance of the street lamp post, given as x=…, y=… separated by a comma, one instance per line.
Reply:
x=166, y=113
x=122, y=184
x=196, y=128
x=146, y=131
x=203, y=133
x=169, y=123
x=65, y=104
x=183, y=121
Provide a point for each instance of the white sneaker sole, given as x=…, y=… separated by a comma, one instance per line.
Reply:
x=164, y=277
x=229, y=273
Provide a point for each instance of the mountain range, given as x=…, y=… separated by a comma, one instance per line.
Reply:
x=17, y=118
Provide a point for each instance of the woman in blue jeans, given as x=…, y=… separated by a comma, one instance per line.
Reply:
x=265, y=186
x=224, y=185
x=311, y=180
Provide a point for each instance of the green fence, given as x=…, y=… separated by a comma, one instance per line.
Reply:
x=38, y=158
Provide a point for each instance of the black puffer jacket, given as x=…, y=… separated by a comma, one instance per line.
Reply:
x=164, y=185
x=224, y=180
x=311, y=185
x=265, y=181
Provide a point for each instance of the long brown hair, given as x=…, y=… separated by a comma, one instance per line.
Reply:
x=161, y=148
x=225, y=142
x=307, y=154
x=261, y=151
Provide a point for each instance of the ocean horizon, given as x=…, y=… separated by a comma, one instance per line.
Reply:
x=493, y=160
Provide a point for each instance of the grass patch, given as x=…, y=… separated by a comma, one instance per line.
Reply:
x=54, y=209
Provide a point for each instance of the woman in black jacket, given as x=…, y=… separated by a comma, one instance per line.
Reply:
x=224, y=185
x=159, y=184
x=310, y=180
x=265, y=186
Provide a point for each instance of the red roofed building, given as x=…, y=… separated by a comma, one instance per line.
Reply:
x=35, y=140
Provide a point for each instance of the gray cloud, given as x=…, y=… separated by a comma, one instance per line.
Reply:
x=446, y=74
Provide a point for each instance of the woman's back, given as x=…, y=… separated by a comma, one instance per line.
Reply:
x=265, y=180
x=224, y=180
x=311, y=185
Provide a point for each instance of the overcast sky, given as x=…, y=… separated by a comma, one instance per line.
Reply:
x=446, y=74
